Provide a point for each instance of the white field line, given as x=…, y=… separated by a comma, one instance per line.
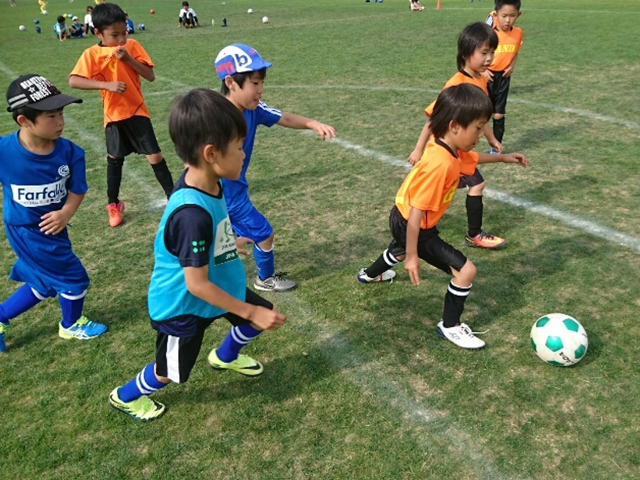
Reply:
x=573, y=221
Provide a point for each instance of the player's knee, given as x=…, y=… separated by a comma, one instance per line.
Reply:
x=155, y=158
x=477, y=189
x=467, y=274
x=115, y=162
x=498, y=116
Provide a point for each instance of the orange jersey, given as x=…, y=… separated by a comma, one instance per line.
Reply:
x=509, y=44
x=432, y=183
x=99, y=63
x=458, y=79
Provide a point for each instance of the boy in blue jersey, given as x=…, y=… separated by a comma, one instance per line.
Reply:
x=242, y=72
x=43, y=181
x=198, y=276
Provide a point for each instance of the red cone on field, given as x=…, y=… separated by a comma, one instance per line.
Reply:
x=438, y=6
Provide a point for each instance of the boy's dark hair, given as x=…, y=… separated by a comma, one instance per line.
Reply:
x=106, y=14
x=461, y=103
x=89, y=7
x=185, y=4
x=203, y=117
x=240, y=78
x=474, y=36
x=501, y=3
x=30, y=113
x=61, y=19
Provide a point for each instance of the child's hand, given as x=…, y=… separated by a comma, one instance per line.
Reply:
x=116, y=87
x=264, y=319
x=515, y=158
x=53, y=222
x=507, y=71
x=242, y=241
x=121, y=53
x=324, y=131
x=415, y=156
x=488, y=74
x=496, y=145
x=412, y=266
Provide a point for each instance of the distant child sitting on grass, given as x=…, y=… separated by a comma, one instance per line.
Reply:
x=457, y=123
x=476, y=45
x=75, y=29
x=43, y=180
x=187, y=16
x=114, y=67
x=198, y=276
x=130, y=27
x=242, y=72
x=60, y=28
x=498, y=75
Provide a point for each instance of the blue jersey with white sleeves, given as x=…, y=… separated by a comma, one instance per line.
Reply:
x=236, y=192
x=33, y=184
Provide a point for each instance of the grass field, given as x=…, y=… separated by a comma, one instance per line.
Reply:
x=356, y=384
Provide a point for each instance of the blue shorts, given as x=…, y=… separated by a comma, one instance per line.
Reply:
x=252, y=225
x=46, y=262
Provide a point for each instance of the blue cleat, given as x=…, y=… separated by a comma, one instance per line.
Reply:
x=83, y=329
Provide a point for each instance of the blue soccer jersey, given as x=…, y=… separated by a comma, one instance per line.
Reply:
x=236, y=192
x=33, y=184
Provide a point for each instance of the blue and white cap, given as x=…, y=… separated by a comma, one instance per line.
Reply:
x=238, y=58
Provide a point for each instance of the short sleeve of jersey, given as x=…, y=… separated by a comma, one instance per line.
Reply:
x=86, y=66
x=468, y=162
x=427, y=189
x=266, y=115
x=189, y=236
x=138, y=52
x=78, y=178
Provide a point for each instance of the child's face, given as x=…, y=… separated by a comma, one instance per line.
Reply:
x=247, y=97
x=48, y=125
x=480, y=59
x=229, y=165
x=506, y=17
x=114, y=35
x=467, y=137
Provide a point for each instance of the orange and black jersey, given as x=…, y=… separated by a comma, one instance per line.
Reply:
x=458, y=79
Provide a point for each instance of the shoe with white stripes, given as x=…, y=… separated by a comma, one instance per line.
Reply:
x=461, y=335
x=83, y=329
x=387, y=276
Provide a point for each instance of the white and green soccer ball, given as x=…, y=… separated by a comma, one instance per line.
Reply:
x=559, y=339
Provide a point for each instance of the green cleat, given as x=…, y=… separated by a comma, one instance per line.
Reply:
x=3, y=329
x=243, y=364
x=143, y=409
x=83, y=329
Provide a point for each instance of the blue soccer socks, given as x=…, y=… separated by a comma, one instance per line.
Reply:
x=22, y=300
x=265, y=261
x=237, y=338
x=145, y=383
x=71, y=306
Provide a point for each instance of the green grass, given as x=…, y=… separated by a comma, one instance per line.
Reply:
x=357, y=384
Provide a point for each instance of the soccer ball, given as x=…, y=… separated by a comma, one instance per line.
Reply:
x=152, y=11
x=559, y=339
x=36, y=21
x=44, y=12
x=69, y=15
x=265, y=19
x=141, y=26
x=250, y=10
x=22, y=28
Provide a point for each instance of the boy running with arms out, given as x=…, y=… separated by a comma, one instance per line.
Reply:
x=476, y=44
x=242, y=72
x=114, y=67
x=498, y=75
x=43, y=180
x=198, y=276
x=457, y=123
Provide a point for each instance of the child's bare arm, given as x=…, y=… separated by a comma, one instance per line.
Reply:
x=199, y=285
x=145, y=71
x=291, y=120
x=54, y=222
x=82, y=83
x=412, y=261
x=491, y=138
x=416, y=155
x=509, y=70
x=504, y=158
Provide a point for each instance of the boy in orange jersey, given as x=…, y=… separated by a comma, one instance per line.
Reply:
x=114, y=67
x=476, y=45
x=499, y=73
x=457, y=123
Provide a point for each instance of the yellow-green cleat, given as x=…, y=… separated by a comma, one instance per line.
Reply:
x=83, y=329
x=243, y=364
x=143, y=409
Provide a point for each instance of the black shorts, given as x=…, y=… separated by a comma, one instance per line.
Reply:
x=133, y=135
x=176, y=356
x=431, y=248
x=471, y=180
x=498, y=91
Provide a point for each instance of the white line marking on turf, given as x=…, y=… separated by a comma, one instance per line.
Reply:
x=573, y=221
x=558, y=108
